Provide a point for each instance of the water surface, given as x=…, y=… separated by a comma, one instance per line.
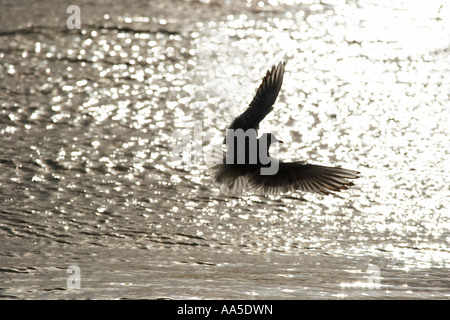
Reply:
x=89, y=119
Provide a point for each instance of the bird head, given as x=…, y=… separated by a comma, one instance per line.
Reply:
x=270, y=138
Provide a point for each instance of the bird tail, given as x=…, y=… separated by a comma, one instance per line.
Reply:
x=229, y=178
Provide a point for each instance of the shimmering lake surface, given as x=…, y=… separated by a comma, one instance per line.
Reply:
x=89, y=120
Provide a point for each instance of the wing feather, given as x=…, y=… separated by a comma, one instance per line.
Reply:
x=263, y=100
x=304, y=177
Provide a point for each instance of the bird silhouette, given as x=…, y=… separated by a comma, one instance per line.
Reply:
x=248, y=162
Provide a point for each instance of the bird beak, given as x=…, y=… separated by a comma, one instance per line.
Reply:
x=279, y=141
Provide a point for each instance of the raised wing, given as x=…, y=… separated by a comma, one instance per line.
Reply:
x=304, y=177
x=263, y=100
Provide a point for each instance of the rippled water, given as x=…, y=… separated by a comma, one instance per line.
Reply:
x=89, y=119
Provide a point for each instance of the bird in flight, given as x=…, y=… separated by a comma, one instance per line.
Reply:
x=248, y=162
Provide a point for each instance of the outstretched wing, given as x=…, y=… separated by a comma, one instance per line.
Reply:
x=263, y=100
x=304, y=177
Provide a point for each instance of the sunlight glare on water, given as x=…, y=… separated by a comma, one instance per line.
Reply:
x=90, y=120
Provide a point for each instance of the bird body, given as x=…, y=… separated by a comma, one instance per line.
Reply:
x=248, y=161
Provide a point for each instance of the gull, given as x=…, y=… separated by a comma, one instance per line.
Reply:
x=248, y=162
